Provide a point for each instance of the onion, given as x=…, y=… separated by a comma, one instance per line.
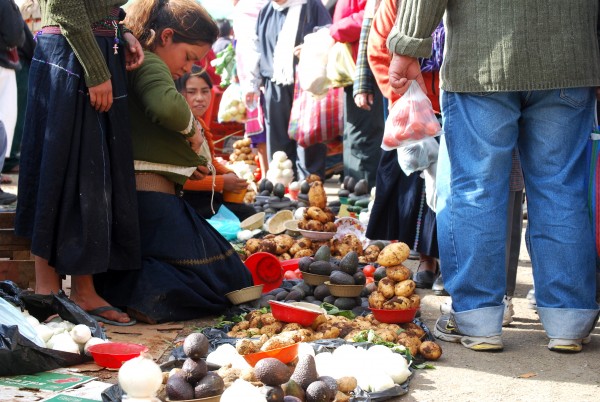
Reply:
x=81, y=333
x=64, y=343
x=140, y=377
x=91, y=342
x=44, y=332
x=242, y=390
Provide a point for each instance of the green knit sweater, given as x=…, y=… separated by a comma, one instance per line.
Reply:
x=505, y=45
x=75, y=18
x=160, y=120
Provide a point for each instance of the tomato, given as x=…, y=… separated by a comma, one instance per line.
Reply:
x=368, y=270
x=289, y=275
x=257, y=175
x=369, y=279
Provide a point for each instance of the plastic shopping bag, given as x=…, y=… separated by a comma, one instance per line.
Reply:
x=341, y=65
x=418, y=155
x=312, y=67
x=226, y=223
x=411, y=119
x=232, y=107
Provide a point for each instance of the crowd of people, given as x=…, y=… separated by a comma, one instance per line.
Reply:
x=118, y=173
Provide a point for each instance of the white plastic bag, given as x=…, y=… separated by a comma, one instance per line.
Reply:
x=312, y=67
x=429, y=175
x=418, y=155
x=232, y=107
x=411, y=119
x=11, y=315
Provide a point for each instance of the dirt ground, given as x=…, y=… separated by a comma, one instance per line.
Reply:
x=525, y=371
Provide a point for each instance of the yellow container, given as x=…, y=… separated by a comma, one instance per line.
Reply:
x=238, y=198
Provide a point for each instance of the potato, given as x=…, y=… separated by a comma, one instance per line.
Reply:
x=346, y=384
x=386, y=335
x=283, y=243
x=314, y=225
x=284, y=257
x=397, y=303
x=376, y=300
x=303, y=242
x=329, y=227
x=316, y=195
x=305, y=252
x=252, y=246
x=393, y=254
x=316, y=214
x=371, y=253
x=313, y=178
x=386, y=287
x=294, y=249
x=413, y=329
x=398, y=273
x=341, y=397
x=415, y=300
x=268, y=246
x=430, y=350
x=405, y=288
x=412, y=343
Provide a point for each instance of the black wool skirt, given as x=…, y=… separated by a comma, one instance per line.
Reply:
x=77, y=199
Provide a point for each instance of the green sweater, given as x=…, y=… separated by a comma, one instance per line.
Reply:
x=505, y=45
x=75, y=18
x=160, y=117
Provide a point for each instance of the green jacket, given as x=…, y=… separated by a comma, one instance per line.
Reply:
x=75, y=18
x=160, y=118
x=505, y=45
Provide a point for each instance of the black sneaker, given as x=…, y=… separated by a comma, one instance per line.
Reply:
x=7, y=198
x=446, y=330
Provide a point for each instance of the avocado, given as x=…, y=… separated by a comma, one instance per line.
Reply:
x=323, y=253
x=265, y=193
x=178, y=389
x=264, y=301
x=318, y=391
x=368, y=289
x=305, y=372
x=195, y=345
x=341, y=278
x=349, y=264
x=279, y=190
x=363, y=202
x=379, y=274
x=304, y=288
x=268, y=186
x=275, y=291
x=345, y=182
x=212, y=384
x=261, y=185
x=304, y=262
x=361, y=187
x=351, y=184
x=292, y=388
x=194, y=370
x=359, y=278
x=302, y=198
x=321, y=292
x=304, y=187
x=310, y=299
x=329, y=299
x=288, y=398
x=343, y=193
x=281, y=295
x=272, y=394
x=271, y=371
x=294, y=295
x=331, y=384
x=320, y=268
x=345, y=303
x=378, y=243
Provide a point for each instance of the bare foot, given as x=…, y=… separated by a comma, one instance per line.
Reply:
x=84, y=294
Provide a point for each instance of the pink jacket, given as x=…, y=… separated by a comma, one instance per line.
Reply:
x=347, y=22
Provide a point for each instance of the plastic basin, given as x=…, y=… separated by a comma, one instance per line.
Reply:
x=394, y=316
x=303, y=314
x=285, y=354
x=266, y=270
x=114, y=354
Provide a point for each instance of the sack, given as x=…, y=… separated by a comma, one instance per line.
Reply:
x=232, y=107
x=312, y=67
x=340, y=65
x=19, y=355
x=316, y=120
x=411, y=119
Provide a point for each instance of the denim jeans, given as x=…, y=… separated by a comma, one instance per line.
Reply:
x=551, y=129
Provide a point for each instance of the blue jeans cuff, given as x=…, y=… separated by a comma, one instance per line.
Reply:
x=568, y=323
x=485, y=321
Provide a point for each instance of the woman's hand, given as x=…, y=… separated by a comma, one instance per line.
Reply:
x=364, y=101
x=231, y=182
x=134, y=54
x=101, y=96
x=200, y=173
x=197, y=139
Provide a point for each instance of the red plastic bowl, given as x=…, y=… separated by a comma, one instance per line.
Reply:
x=266, y=270
x=394, y=316
x=289, y=265
x=302, y=314
x=114, y=354
x=285, y=354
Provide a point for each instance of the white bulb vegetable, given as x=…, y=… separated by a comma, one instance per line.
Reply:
x=81, y=333
x=140, y=377
x=44, y=332
x=91, y=342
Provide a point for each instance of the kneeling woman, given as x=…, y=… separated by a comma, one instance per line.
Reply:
x=188, y=267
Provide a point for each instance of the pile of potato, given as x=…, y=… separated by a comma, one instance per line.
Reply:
x=242, y=151
x=396, y=290
x=283, y=246
x=318, y=220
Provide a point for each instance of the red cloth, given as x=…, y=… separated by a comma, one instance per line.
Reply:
x=379, y=57
x=347, y=22
x=205, y=62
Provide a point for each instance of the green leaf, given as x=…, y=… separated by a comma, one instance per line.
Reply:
x=424, y=366
x=333, y=310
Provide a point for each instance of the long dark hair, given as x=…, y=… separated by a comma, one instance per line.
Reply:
x=188, y=19
x=197, y=71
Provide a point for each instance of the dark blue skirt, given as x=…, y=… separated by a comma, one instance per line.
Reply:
x=400, y=211
x=77, y=199
x=187, y=266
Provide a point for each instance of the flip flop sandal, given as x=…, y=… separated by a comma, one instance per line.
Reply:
x=5, y=180
x=95, y=313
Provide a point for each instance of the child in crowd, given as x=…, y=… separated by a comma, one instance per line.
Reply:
x=206, y=195
x=77, y=199
x=187, y=266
